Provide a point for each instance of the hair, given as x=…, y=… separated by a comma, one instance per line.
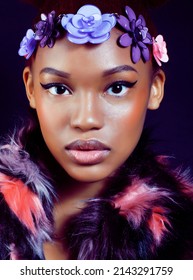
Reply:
x=108, y=6
x=42, y=4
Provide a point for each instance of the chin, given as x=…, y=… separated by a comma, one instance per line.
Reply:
x=88, y=174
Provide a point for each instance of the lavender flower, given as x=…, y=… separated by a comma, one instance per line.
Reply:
x=46, y=30
x=88, y=25
x=28, y=44
x=137, y=35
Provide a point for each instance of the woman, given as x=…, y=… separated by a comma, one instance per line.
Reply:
x=78, y=183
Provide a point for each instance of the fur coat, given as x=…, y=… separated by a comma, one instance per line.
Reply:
x=146, y=213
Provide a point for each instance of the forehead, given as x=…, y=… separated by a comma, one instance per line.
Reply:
x=87, y=57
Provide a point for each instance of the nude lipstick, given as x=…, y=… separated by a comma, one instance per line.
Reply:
x=87, y=152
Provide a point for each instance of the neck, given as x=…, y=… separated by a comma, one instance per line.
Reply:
x=71, y=198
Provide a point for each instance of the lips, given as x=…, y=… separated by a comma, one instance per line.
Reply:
x=87, y=152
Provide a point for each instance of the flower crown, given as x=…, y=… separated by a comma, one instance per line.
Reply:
x=90, y=26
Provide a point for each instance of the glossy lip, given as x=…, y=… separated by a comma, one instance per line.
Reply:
x=87, y=152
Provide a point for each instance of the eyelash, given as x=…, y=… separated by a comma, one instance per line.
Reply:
x=121, y=86
x=56, y=86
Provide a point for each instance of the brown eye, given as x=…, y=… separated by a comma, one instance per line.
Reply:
x=119, y=88
x=57, y=89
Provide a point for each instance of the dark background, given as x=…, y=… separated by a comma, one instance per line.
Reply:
x=172, y=123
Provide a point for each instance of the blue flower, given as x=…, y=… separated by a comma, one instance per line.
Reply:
x=88, y=25
x=137, y=35
x=28, y=44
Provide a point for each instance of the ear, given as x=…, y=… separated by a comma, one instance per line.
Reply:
x=28, y=82
x=157, y=90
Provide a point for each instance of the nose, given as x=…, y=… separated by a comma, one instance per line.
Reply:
x=87, y=112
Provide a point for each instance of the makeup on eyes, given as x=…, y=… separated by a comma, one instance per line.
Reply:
x=59, y=88
x=119, y=88
x=115, y=81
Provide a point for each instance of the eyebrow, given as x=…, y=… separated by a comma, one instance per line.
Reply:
x=118, y=69
x=52, y=71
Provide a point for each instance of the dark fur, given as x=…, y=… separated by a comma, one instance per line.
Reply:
x=102, y=230
x=16, y=164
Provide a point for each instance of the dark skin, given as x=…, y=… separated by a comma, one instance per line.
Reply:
x=89, y=92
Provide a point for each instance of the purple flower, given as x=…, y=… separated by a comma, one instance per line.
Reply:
x=137, y=35
x=28, y=44
x=46, y=30
x=88, y=25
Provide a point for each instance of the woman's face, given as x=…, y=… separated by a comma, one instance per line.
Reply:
x=91, y=103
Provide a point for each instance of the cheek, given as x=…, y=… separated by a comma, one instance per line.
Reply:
x=127, y=123
x=51, y=118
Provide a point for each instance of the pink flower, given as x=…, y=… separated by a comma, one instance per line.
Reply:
x=160, y=50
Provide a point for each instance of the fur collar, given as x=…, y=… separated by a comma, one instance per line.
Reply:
x=146, y=213
x=26, y=205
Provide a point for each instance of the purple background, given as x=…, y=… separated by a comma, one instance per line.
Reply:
x=172, y=123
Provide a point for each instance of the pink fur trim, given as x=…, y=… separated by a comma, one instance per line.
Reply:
x=186, y=184
x=136, y=199
x=22, y=201
x=157, y=223
x=13, y=252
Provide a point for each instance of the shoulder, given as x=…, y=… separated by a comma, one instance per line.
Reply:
x=26, y=202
